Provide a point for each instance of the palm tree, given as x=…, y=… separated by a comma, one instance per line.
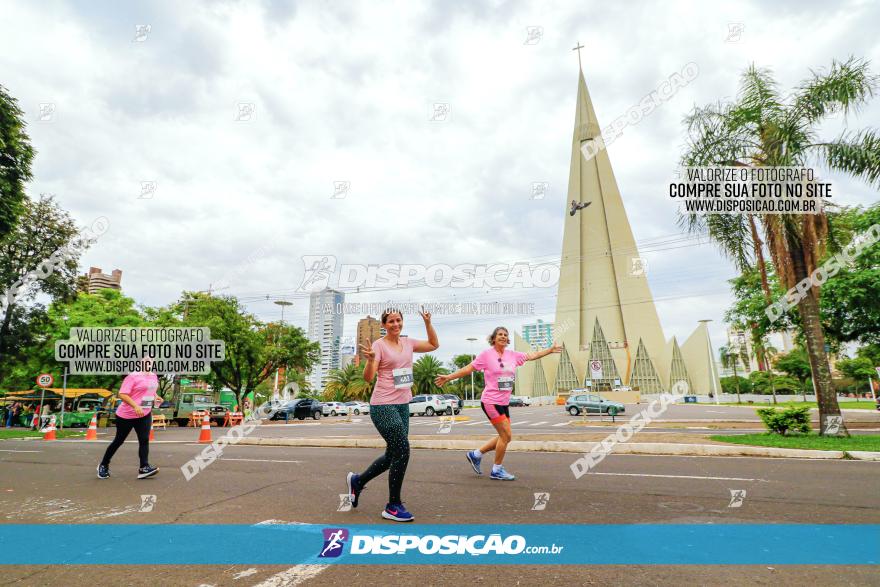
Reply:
x=347, y=384
x=425, y=370
x=762, y=128
x=729, y=358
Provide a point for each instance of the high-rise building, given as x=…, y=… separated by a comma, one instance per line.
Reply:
x=94, y=280
x=612, y=336
x=325, y=328
x=369, y=330
x=538, y=335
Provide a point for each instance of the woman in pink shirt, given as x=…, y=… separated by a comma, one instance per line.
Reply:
x=138, y=393
x=499, y=370
x=390, y=361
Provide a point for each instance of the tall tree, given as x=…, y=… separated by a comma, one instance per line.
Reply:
x=730, y=357
x=796, y=363
x=425, y=370
x=16, y=156
x=253, y=350
x=348, y=384
x=763, y=128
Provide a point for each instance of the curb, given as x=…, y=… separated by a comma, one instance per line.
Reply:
x=863, y=455
x=643, y=448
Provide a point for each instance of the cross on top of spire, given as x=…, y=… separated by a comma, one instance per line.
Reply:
x=578, y=49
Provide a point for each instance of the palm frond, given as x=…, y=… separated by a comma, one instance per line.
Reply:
x=856, y=154
x=845, y=87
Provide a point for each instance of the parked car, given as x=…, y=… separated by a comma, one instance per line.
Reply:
x=457, y=402
x=518, y=402
x=429, y=405
x=334, y=409
x=592, y=404
x=357, y=408
x=299, y=409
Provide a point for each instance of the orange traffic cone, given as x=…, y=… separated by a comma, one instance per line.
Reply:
x=205, y=435
x=50, y=430
x=152, y=435
x=92, y=433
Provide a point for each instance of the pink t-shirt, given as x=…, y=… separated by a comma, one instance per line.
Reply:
x=488, y=363
x=140, y=387
x=395, y=375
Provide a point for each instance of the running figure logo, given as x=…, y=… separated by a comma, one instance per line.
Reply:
x=318, y=269
x=737, y=496
x=334, y=540
x=832, y=424
x=541, y=500
x=344, y=503
x=147, y=503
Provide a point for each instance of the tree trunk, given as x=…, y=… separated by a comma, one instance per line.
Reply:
x=808, y=307
x=759, y=257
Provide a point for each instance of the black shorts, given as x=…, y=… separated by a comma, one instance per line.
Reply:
x=495, y=413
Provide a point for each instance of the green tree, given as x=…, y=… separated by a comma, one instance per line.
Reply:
x=347, y=384
x=16, y=156
x=761, y=128
x=253, y=350
x=850, y=302
x=735, y=385
x=106, y=308
x=425, y=370
x=796, y=364
x=44, y=230
x=464, y=385
x=730, y=358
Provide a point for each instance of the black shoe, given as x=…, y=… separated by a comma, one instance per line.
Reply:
x=354, y=488
x=103, y=472
x=147, y=471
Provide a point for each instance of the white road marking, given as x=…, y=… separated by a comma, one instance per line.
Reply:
x=259, y=460
x=475, y=424
x=560, y=424
x=294, y=575
x=246, y=573
x=523, y=422
x=537, y=423
x=10, y=450
x=678, y=476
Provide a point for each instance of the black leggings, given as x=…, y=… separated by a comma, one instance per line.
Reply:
x=123, y=427
x=392, y=422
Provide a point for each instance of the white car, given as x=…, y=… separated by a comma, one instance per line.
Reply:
x=429, y=405
x=334, y=409
x=357, y=408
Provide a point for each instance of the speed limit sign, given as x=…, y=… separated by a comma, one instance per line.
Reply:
x=45, y=380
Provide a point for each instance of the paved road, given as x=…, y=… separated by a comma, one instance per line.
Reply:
x=56, y=484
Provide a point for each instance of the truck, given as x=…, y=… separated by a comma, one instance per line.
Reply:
x=181, y=407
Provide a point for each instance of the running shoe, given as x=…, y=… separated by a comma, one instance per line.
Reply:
x=502, y=475
x=103, y=472
x=147, y=471
x=475, y=461
x=396, y=512
x=354, y=488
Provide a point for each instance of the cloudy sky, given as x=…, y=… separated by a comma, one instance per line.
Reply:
x=245, y=115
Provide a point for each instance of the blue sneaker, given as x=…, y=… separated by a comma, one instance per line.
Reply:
x=354, y=488
x=475, y=461
x=396, y=512
x=103, y=472
x=502, y=475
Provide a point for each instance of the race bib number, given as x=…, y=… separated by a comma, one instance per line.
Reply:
x=147, y=402
x=505, y=383
x=403, y=377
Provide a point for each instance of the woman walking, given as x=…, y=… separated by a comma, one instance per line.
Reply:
x=499, y=369
x=138, y=395
x=391, y=358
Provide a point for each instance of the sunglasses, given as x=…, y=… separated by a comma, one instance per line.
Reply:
x=500, y=363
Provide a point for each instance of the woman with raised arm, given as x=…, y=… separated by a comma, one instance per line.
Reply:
x=390, y=360
x=499, y=369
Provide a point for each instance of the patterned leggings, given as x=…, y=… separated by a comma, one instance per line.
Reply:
x=392, y=422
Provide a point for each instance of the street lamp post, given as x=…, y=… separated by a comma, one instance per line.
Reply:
x=473, y=395
x=283, y=304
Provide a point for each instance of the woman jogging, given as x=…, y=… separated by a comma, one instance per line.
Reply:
x=392, y=358
x=138, y=395
x=499, y=369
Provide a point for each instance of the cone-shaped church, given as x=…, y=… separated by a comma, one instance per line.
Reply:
x=605, y=314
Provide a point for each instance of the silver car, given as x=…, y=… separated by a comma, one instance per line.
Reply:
x=592, y=403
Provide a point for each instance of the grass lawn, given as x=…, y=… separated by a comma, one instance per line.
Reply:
x=869, y=442
x=856, y=405
x=6, y=433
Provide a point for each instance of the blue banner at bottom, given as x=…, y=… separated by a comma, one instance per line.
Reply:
x=270, y=544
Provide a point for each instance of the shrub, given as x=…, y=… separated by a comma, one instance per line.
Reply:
x=795, y=419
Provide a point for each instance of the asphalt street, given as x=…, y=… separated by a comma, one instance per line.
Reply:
x=56, y=483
